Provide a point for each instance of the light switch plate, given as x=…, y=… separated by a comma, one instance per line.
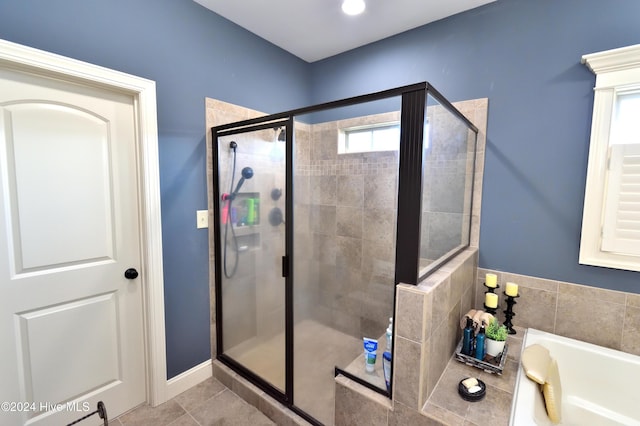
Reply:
x=202, y=219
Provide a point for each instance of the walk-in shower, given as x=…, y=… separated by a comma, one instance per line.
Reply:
x=345, y=200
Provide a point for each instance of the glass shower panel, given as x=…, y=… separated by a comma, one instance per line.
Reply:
x=252, y=168
x=448, y=168
x=345, y=211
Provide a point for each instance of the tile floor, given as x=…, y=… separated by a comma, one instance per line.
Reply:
x=317, y=350
x=212, y=403
x=206, y=404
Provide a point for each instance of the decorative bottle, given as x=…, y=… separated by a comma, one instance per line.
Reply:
x=480, y=350
x=467, y=339
x=389, y=334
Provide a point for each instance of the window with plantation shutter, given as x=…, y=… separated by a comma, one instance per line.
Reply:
x=621, y=222
x=611, y=216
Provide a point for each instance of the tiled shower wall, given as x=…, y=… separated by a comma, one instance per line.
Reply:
x=427, y=332
x=249, y=287
x=604, y=317
x=447, y=184
x=351, y=214
x=427, y=322
x=352, y=202
x=217, y=113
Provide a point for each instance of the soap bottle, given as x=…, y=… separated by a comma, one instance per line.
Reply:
x=256, y=211
x=389, y=334
x=467, y=337
x=480, y=344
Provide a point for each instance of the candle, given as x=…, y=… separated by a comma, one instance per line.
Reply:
x=491, y=280
x=511, y=290
x=491, y=300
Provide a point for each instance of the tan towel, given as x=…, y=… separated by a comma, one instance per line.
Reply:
x=485, y=319
x=553, y=393
x=477, y=320
x=463, y=320
x=535, y=362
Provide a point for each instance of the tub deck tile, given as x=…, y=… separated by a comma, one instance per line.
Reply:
x=446, y=405
x=493, y=410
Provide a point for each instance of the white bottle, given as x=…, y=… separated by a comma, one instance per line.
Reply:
x=389, y=334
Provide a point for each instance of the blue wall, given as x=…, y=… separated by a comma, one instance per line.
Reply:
x=190, y=53
x=524, y=56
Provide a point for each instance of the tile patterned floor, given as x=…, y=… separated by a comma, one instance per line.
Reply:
x=206, y=404
x=317, y=350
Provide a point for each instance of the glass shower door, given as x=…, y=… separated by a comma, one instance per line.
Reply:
x=251, y=246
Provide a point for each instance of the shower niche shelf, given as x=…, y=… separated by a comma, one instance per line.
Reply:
x=245, y=211
x=242, y=231
x=245, y=219
x=249, y=241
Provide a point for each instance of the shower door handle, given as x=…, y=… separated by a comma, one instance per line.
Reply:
x=285, y=266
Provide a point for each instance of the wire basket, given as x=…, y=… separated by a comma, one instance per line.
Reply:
x=489, y=364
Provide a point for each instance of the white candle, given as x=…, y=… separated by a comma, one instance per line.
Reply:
x=511, y=290
x=491, y=280
x=491, y=300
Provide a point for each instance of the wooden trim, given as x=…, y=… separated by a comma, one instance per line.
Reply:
x=185, y=381
x=617, y=71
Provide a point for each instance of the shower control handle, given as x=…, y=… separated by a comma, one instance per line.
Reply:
x=131, y=274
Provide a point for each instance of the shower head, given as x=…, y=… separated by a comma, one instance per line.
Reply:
x=282, y=136
x=247, y=173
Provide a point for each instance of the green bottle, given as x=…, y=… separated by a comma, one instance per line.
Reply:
x=251, y=212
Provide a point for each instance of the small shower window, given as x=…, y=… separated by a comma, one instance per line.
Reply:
x=371, y=138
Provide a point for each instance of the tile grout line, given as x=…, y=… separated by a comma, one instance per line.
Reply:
x=447, y=410
x=202, y=403
x=194, y=419
x=624, y=321
x=183, y=408
x=555, y=313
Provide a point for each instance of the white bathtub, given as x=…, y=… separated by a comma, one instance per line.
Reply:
x=600, y=386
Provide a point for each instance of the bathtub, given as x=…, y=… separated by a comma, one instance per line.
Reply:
x=600, y=386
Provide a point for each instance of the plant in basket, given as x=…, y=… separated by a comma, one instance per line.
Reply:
x=496, y=337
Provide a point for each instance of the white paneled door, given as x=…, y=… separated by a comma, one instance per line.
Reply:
x=71, y=322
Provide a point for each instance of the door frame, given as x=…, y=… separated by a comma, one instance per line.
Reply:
x=143, y=91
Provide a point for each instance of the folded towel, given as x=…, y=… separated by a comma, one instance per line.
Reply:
x=463, y=320
x=486, y=318
x=477, y=320
x=536, y=361
x=540, y=367
x=552, y=392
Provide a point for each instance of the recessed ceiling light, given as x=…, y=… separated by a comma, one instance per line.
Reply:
x=353, y=7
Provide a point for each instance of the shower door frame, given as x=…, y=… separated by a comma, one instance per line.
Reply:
x=225, y=130
x=408, y=222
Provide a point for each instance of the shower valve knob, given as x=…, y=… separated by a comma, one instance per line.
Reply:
x=131, y=274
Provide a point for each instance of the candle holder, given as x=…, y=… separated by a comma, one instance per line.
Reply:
x=491, y=289
x=492, y=311
x=509, y=314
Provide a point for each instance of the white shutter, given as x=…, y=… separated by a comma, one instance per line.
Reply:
x=621, y=221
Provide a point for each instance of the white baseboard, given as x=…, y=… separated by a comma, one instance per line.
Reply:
x=184, y=381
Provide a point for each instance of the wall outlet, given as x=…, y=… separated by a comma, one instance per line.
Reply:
x=202, y=219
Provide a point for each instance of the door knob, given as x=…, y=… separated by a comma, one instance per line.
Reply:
x=131, y=274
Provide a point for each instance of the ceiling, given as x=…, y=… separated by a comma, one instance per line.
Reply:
x=316, y=29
